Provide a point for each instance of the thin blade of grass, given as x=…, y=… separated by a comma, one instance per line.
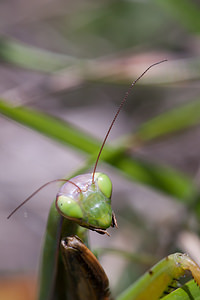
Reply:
x=160, y=177
x=30, y=57
x=170, y=122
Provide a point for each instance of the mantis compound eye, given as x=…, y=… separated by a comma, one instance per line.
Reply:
x=104, y=184
x=68, y=207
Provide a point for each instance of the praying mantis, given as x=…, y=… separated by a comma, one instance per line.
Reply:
x=69, y=270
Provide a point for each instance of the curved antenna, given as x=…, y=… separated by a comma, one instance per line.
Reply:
x=118, y=111
x=33, y=194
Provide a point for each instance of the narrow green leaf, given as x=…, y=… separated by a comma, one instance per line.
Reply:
x=162, y=178
x=50, y=126
x=170, y=122
x=30, y=57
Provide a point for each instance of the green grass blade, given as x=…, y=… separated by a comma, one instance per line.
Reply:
x=50, y=126
x=162, y=178
x=170, y=122
x=31, y=57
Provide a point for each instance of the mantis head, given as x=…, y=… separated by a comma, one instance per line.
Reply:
x=89, y=206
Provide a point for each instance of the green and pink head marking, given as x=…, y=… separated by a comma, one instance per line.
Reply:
x=86, y=199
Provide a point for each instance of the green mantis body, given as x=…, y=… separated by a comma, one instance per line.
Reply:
x=68, y=268
x=162, y=278
x=84, y=203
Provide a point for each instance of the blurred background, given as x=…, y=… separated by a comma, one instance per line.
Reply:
x=75, y=60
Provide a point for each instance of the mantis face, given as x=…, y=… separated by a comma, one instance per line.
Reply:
x=90, y=204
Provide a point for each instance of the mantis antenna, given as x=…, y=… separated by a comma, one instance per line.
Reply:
x=40, y=188
x=118, y=111
x=102, y=146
